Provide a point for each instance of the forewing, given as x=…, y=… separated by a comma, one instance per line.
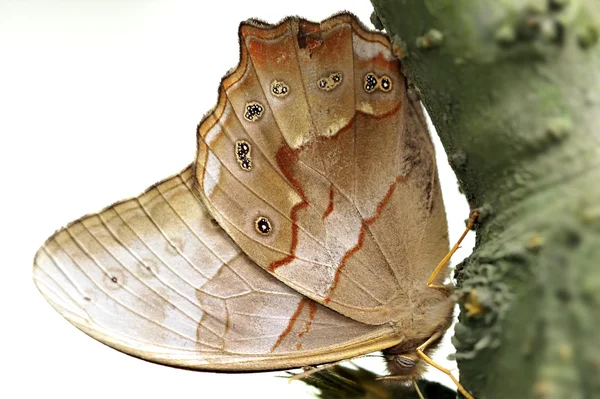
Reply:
x=155, y=277
x=336, y=193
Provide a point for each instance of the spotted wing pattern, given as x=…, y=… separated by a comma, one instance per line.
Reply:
x=156, y=277
x=339, y=197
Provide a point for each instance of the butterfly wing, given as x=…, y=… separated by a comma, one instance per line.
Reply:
x=155, y=277
x=320, y=167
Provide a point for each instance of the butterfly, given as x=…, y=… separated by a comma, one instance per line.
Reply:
x=306, y=231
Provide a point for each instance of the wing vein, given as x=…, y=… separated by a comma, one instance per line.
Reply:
x=128, y=308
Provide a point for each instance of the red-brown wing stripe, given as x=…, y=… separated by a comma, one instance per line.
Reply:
x=312, y=310
x=291, y=323
x=361, y=236
x=286, y=158
x=330, y=206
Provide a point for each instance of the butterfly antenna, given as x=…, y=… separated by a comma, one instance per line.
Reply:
x=444, y=261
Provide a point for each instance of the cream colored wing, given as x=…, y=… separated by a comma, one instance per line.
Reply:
x=319, y=166
x=155, y=277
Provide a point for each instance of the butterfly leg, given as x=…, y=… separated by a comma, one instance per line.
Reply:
x=446, y=258
x=414, y=382
x=307, y=371
x=428, y=360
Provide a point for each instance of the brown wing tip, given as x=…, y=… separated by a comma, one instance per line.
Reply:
x=263, y=29
x=255, y=25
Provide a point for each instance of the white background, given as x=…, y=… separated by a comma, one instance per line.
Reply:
x=98, y=100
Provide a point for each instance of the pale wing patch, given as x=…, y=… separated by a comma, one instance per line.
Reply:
x=154, y=277
x=217, y=130
x=213, y=173
x=366, y=49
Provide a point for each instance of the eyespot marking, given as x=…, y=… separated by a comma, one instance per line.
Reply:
x=242, y=154
x=242, y=149
x=279, y=88
x=370, y=82
x=330, y=82
x=263, y=226
x=254, y=111
x=385, y=84
x=246, y=164
x=114, y=279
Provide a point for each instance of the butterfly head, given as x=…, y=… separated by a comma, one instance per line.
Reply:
x=403, y=360
x=404, y=367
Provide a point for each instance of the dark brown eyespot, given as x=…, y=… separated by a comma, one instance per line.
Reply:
x=330, y=82
x=385, y=84
x=262, y=225
x=279, y=88
x=370, y=82
x=336, y=77
x=254, y=111
x=246, y=164
x=242, y=151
